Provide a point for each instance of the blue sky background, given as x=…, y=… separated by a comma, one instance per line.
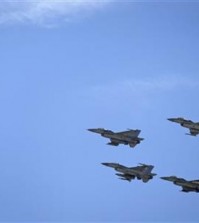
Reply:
x=117, y=65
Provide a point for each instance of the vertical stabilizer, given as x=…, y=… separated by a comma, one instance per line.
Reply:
x=148, y=169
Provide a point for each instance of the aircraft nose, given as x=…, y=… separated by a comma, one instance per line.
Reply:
x=164, y=178
x=92, y=130
x=171, y=119
x=105, y=164
x=98, y=130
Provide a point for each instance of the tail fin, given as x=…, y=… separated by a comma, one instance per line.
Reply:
x=131, y=132
x=136, y=132
x=148, y=169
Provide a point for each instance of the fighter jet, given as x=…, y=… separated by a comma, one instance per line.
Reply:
x=141, y=172
x=192, y=126
x=129, y=137
x=187, y=186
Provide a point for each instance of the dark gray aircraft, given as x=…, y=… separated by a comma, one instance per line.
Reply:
x=142, y=172
x=192, y=126
x=129, y=137
x=187, y=186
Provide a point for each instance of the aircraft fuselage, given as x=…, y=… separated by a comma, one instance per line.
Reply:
x=120, y=137
x=190, y=125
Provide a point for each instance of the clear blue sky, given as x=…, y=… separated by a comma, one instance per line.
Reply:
x=66, y=68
